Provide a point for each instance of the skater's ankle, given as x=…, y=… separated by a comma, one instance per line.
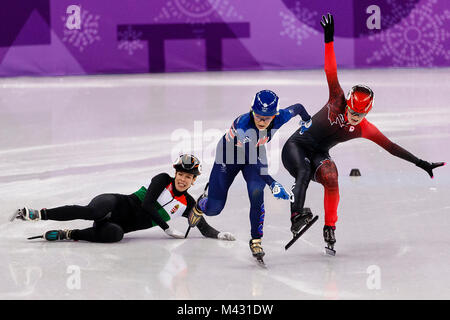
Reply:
x=43, y=213
x=255, y=247
x=201, y=204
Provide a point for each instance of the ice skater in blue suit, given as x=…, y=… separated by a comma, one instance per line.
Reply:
x=242, y=149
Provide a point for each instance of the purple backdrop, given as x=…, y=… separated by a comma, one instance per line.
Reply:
x=64, y=37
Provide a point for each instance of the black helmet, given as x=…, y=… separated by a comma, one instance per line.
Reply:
x=188, y=163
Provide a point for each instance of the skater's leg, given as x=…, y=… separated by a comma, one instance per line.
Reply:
x=105, y=233
x=97, y=209
x=255, y=189
x=327, y=175
x=220, y=180
x=297, y=163
x=212, y=202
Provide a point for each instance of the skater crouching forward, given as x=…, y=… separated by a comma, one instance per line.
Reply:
x=116, y=214
x=242, y=149
x=305, y=155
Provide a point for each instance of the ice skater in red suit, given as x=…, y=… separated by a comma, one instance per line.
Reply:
x=305, y=155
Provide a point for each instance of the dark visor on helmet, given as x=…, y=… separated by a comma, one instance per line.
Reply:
x=187, y=161
x=354, y=113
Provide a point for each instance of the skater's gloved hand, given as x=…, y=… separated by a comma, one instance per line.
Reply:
x=278, y=191
x=304, y=125
x=174, y=233
x=328, y=27
x=226, y=236
x=428, y=167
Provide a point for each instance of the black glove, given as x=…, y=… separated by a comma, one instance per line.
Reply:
x=328, y=27
x=428, y=167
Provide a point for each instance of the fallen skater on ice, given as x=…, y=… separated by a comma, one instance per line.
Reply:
x=114, y=215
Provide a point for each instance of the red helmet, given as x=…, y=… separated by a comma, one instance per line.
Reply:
x=360, y=99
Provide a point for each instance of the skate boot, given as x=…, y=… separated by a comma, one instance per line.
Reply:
x=54, y=235
x=257, y=250
x=27, y=214
x=330, y=239
x=299, y=219
x=200, y=207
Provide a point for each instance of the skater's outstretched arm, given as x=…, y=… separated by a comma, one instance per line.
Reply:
x=330, y=65
x=294, y=110
x=291, y=111
x=209, y=232
x=371, y=132
x=262, y=166
x=277, y=189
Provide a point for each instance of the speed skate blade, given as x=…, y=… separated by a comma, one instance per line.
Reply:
x=14, y=215
x=187, y=232
x=298, y=235
x=261, y=262
x=330, y=251
x=35, y=237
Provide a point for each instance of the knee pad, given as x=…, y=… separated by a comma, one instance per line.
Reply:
x=327, y=175
x=256, y=195
x=303, y=172
x=214, y=207
x=111, y=232
x=102, y=220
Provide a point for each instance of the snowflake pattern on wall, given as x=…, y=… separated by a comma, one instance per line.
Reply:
x=86, y=35
x=297, y=23
x=197, y=11
x=130, y=40
x=416, y=40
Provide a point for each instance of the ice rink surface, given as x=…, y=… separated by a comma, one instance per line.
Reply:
x=66, y=140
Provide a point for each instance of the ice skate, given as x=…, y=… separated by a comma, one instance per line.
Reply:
x=330, y=239
x=197, y=212
x=299, y=219
x=257, y=250
x=26, y=214
x=54, y=235
x=300, y=224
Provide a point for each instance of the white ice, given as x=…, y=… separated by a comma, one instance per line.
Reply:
x=66, y=140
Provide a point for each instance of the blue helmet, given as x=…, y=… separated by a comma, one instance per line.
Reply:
x=265, y=103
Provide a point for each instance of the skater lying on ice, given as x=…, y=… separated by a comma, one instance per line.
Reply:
x=116, y=214
x=305, y=155
x=242, y=149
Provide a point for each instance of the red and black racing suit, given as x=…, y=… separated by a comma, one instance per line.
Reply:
x=306, y=155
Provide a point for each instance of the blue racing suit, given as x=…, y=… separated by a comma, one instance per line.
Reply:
x=242, y=148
